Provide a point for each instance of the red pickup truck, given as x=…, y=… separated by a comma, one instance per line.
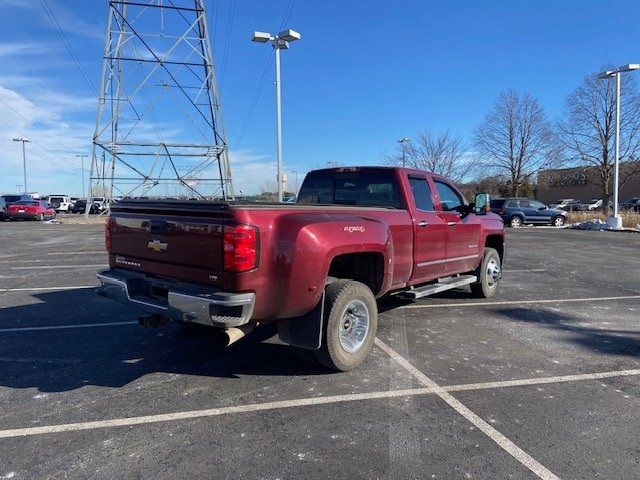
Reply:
x=316, y=266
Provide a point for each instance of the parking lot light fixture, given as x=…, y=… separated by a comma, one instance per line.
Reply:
x=24, y=160
x=278, y=42
x=615, y=220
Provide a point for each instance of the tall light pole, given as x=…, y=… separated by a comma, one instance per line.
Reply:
x=24, y=160
x=278, y=42
x=295, y=172
x=404, y=141
x=82, y=157
x=615, y=221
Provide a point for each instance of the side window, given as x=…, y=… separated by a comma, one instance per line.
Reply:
x=537, y=205
x=513, y=204
x=421, y=193
x=448, y=196
x=525, y=204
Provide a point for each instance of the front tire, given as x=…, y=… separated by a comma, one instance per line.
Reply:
x=489, y=274
x=558, y=221
x=349, y=326
x=515, y=222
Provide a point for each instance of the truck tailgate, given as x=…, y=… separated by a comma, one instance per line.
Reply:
x=175, y=234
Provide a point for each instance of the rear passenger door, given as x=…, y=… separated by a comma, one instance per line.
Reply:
x=430, y=233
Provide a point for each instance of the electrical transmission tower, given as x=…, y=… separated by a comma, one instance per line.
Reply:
x=159, y=128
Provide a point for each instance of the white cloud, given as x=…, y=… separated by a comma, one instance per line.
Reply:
x=26, y=48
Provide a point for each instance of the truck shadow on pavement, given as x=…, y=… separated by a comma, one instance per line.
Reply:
x=602, y=341
x=60, y=360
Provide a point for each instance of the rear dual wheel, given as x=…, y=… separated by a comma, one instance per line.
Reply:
x=349, y=326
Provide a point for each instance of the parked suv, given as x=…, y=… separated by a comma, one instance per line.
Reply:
x=632, y=205
x=516, y=212
x=61, y=203
x=593, y=205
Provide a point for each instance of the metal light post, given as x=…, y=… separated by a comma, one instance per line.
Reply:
x=24, y=160
x=278, y=42
x=404, y=141
x=82, y=157
x=615, y=221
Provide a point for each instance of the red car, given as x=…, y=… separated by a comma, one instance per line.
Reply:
x=31, y=209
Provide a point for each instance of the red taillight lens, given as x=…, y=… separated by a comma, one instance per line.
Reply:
x=108, y=227
x=502, y=210
x=240, y=248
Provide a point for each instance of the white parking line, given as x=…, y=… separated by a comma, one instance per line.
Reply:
x=516, y=452
x=77, y=253
x=65, y=327
x=303, y=402
x=519, y=302
x=523, y=270
x=41, y=289
x=42, y=267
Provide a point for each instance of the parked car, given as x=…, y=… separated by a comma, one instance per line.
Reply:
x=61, y=203
x=314, y=267
x=593, y=205
x=101, y=202
x=31, y=210
x=633, y=204
x=81, y=206
x=516, y=212
x=567, y=204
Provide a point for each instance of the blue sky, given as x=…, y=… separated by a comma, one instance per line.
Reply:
x=364, y=74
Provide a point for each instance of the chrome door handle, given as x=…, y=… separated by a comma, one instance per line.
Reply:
x=451, y=224
x=423, y=223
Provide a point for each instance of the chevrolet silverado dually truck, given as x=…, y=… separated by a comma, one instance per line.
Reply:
x=316, y=266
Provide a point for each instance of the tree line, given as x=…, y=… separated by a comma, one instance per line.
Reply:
x=517, y=139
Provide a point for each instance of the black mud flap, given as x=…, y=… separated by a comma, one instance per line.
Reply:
x=306, y=331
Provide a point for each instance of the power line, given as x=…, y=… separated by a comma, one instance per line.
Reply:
x=227, y=41
x=74, y=56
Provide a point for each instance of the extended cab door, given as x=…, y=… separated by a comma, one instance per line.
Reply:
x=430, y=233
x=464, y=248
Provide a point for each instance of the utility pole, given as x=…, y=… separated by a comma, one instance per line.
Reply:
x=82, y=157
x=404, y=141
x=24, y=160
x=278, y=42
x=295, y=172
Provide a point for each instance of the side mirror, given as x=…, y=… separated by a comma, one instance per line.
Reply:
x=542, y=208
x=482, y=205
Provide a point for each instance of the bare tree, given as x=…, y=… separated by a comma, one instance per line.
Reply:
x=516, y=139
x=444, y=153
x=587, y=129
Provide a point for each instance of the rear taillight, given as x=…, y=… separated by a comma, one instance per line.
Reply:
x=108, y=227
x=240, y=248
x=502, y=210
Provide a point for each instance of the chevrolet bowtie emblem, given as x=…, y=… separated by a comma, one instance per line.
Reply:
x=157, y=246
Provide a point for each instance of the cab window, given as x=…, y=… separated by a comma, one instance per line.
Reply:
x=450, y=200
x=421, y=193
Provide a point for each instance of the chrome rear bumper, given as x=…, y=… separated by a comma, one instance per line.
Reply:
x=186, y=302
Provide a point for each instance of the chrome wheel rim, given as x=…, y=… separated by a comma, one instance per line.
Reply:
x=493, y=273
x=354, y=326
x=558, y=222
x=516, y=222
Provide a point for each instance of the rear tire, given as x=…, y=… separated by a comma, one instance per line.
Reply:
x=489, y=273
x=515, y=222
x=349, y=326
x=40, y=217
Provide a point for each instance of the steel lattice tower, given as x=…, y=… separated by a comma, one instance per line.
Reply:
x=159, y=128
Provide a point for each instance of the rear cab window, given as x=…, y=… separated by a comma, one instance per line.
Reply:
x=421, y=193
x=351, y=186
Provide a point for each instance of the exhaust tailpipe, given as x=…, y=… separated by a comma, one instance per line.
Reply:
x=233, y=334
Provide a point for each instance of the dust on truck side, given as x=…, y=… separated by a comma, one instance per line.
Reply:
x=316, y=266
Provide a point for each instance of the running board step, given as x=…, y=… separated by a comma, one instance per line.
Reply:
x=441, y=286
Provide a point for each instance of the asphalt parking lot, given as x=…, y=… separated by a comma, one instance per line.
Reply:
x=540, y=381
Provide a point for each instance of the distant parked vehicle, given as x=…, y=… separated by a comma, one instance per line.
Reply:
x=516, y=212
x=567, y=204
x=61, y=203
x=101, y=202
x=3, y=210
x=632, y=205
x=81, y=205
x=593, y=205
x=31, y=210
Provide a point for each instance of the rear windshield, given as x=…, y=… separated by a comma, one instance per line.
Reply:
x=26, y=202
x=497, y=203
x=372, y=187
x=12, y=198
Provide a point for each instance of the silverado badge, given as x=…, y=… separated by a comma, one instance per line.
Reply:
x=157, y=246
